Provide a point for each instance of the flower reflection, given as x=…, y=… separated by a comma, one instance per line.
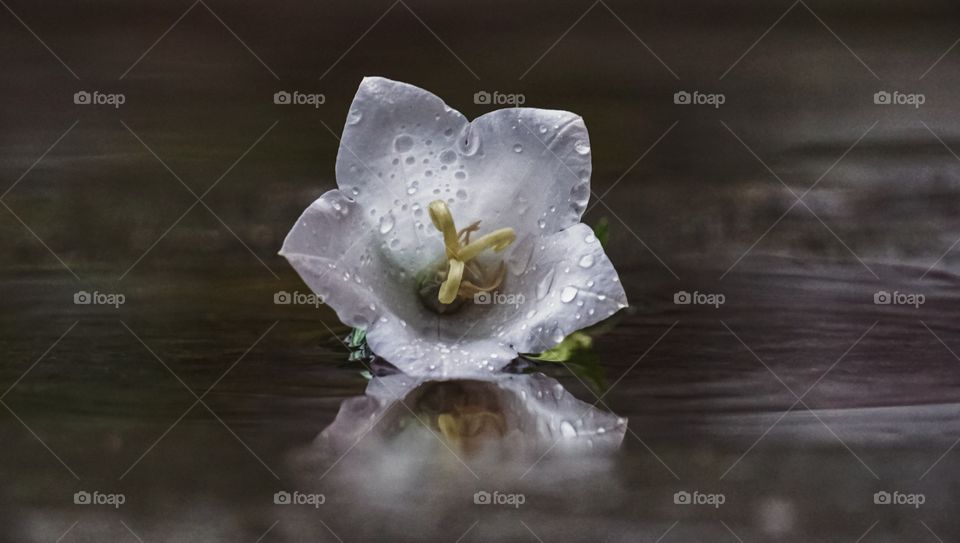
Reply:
x=503, y=415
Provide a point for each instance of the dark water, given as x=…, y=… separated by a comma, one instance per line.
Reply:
x=699, y=199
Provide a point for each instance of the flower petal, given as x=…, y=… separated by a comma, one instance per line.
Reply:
x=569, y=285
x=402, y=148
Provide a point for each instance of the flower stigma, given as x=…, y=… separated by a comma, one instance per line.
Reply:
x=459, y=276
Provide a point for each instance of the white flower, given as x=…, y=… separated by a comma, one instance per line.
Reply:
x=373, y=249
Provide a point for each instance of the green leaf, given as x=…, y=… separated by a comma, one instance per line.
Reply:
x=566, y=349
x=602, y=231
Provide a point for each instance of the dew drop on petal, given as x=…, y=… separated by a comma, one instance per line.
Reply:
x=386, y=223
x=582, y=147
x=462, y=194
x=403, y=143
x=544, y=286
x=354, y=117
x=461, y=175
x=542, y=224
x=518, y=148
x=568, y=294
x=586, y=261
x=448, y=157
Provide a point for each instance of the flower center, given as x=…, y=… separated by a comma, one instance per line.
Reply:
x=460, y=277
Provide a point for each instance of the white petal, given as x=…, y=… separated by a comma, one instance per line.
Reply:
x=570, y=284
x=402, y=148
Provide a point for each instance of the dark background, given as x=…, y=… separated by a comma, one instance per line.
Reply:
x=99, y=198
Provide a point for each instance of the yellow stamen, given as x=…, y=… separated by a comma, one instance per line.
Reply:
x=443, y=221
x=450, y=287
x=460, y=251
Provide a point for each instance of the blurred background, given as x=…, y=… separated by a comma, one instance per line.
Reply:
x=818, y=171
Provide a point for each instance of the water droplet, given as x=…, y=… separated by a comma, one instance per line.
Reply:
x=462, y=194
x=567, y=429
x=544, y=286
x=461, y=175
x=568, y=294
x=403, y=143
x=542, y=224
x=518, y=148
x=354, y=117
x=386, y=223
x=448, y=157
x=410, y=160
x=582, y=147
x=543, y=129
x=586, y=261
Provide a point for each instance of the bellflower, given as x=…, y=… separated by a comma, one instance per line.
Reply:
x=455, y=244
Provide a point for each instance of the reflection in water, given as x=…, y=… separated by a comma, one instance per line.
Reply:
x=507, y=416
